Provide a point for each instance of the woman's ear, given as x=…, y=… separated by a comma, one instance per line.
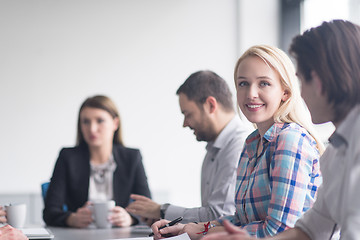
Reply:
x=286, y=95
x=116, y=123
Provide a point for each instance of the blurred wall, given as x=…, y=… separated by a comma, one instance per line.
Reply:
x=54, y=54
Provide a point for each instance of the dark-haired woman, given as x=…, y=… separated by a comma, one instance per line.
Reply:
x=99, y=167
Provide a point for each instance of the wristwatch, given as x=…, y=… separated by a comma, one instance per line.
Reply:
x=163, y=209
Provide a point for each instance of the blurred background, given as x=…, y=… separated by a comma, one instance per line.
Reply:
x=54, y=54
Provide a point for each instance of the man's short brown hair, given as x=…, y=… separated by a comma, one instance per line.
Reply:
x=332, y=50
x=203, y=84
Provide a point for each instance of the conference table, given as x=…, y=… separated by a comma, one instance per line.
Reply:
x=99, y=234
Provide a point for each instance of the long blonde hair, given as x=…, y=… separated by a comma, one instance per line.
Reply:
x=294, y=108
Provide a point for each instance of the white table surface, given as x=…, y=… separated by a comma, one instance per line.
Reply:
x=99, y=234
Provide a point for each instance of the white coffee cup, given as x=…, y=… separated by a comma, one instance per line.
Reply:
x=16, y=215
x=102, y=210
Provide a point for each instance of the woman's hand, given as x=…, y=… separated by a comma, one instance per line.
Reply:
x=194, y=230
x=9, y=233
x=120, y=217
x=2, y=215
x=144, y=207
x=172, y=230
x=81, y=218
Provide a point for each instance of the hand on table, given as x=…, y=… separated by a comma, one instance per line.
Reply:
x=232, y=232
x=9, y=233
x=193, y=230
x=120, y=217
x=144, y=207
x=172, y=230
x=2, y=215
x=81, y=218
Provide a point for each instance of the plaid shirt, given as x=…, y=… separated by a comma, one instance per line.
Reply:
x=275, y=188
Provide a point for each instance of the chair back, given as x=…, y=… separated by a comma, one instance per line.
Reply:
x=44, y=188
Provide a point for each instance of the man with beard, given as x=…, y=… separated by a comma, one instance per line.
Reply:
x=206, y=103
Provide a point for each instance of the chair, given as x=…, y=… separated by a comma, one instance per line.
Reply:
x=44, y=189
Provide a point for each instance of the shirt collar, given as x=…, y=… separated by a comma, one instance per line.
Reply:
x=342, y=133
x=273, y=131
x=270, y=134
x=225, y=134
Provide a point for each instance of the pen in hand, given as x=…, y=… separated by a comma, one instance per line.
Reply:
x=172, y=223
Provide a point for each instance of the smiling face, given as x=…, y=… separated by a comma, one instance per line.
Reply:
x=259, y=91
x=196, y=119
x=97, y=126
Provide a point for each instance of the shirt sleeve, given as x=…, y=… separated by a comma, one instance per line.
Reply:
x=350, y=228
x=290, y=173
x=221, y=201
x=234, y=219
x=316, y=222
x=141, y=185
x=53, y=213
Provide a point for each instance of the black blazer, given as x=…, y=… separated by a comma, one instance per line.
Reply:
x=70, y=181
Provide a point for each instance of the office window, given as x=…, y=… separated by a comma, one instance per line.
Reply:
x=314, y=12
x=317, y=11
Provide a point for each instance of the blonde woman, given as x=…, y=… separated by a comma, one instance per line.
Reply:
x=278, y=172
x=329, y=72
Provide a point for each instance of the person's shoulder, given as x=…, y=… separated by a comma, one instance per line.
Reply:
x=69, y=149
x=121, y=148
x=72, y=154
x=293, y=132
x=241, y=130
x=290, y=128
x=130, y=157
x=69, y=152
x=126, y=154
x=73, y=149
x=240, y=126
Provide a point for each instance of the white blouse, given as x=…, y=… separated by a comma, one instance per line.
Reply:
x=101, y=180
